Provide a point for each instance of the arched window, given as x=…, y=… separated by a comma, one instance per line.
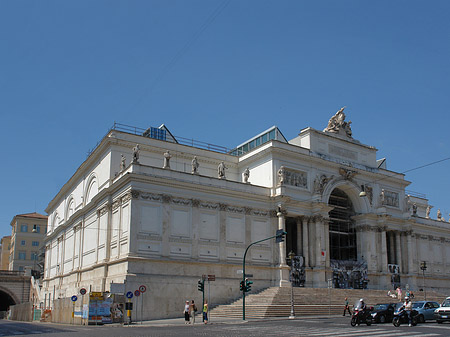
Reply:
x=92, y=189
x=342, y=227
x=70, y=208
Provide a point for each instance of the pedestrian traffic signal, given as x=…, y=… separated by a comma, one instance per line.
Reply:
x=201, y=285
x=280, y=235
x=248, y=285
x=242, y=287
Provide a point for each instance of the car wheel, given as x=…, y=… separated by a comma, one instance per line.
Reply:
x=440, y=322
x=382, y=319
x=421, y=319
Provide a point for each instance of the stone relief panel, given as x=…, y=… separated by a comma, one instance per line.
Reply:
x=180, y=250
x=389, y=198
x=292, y=177
x=150, y=247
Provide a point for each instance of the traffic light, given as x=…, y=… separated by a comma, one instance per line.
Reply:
x=248, y=285
x=280, y=235
x=242, y=286
x=201, y=285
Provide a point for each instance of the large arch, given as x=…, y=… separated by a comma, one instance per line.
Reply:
x=361, y=205
x=7, y=298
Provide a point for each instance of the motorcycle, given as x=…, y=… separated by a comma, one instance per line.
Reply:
x=401, y=317
x=361, y=316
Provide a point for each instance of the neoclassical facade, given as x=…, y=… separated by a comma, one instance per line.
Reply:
x=148, y=208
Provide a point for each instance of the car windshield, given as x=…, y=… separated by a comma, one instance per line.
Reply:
x=417, y=305
x=446, y=303
x=380, y=307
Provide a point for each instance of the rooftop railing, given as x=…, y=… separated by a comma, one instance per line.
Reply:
x=181, y=140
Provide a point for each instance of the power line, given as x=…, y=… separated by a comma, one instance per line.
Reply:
x=179, y=54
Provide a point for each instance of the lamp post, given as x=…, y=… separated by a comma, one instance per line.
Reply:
x=291, y=258
x=423, y=266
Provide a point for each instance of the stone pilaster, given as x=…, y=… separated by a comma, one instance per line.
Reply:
x=283, y=268
x=398, y=247
x=305, y=238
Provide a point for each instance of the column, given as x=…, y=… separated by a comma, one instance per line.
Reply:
x=410, y=266
x=383, y=256
x=391, y=247
x=305, y=239
x=281, y=245
x=319, y=240
x=398, y=247
x=299, y=237
x=283, y=276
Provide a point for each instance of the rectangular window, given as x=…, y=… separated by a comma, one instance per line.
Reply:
x=35, y=243
x=22, y=243
x=34, y=256
x=20, y=268
x=22, y=255
x=36, y=229
x=24, y=228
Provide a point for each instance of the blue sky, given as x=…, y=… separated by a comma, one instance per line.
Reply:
x=219, y=72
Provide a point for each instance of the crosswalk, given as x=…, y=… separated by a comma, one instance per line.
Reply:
x=342, y=331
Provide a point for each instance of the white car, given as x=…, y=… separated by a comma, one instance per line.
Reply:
x=442, y=313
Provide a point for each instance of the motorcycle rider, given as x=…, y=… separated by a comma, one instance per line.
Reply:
x=362, y=308
x=408, y=309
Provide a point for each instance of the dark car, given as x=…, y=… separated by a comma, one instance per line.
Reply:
x=425, y=309
x=383, y=313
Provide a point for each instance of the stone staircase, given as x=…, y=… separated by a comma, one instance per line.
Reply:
x=276, y=302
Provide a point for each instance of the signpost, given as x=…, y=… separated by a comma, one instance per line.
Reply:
x=82, y=293
x=211, y=278
x=142, y=289
x=129, y=306
x=74, y=299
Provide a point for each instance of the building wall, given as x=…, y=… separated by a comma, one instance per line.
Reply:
x=4, y=254
x=165, y=228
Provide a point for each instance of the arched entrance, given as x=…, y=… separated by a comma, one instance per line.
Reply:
x=347, y=271
x=5, y=301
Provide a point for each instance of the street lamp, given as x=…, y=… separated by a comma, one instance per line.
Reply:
x=291, y=258
x=423, y=266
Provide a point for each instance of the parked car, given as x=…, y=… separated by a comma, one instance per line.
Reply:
x=425, y=309
x=442, y=313
x=383, y=313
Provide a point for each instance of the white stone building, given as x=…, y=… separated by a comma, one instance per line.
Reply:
x=159, y=219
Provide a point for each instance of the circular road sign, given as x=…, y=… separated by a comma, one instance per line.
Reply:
x=142, y=289
x=74, y=298
x=83, y=291
x=137, y=293
x=129, y=294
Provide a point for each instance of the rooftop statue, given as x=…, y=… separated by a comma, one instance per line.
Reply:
x=338, y=123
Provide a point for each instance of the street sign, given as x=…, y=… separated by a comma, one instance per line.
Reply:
x=83, y=291
x=142, y=289
x=137, y=293
x=239, y=271
x=211, y=277
x=129, y=294
x=74, y=298
x=248, y=275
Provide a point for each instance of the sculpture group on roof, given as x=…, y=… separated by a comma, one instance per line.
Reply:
x=338, y=123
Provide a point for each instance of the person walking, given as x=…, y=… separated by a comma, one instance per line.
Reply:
x=347, y=307
x=187, y=313
x=205, y=312
x=193, y=310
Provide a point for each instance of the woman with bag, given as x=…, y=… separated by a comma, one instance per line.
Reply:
x=193, y=310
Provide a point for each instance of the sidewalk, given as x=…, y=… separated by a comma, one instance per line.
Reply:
x=220, y=320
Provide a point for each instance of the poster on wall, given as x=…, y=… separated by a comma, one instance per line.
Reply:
x=100, y=308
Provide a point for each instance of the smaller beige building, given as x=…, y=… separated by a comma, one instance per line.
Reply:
x=4, y=252
x=28, y=232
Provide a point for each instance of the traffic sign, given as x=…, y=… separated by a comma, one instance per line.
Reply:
x=74, y=298
x=137, y=293
x=142, y=289
x=129, y=294
x=211, y=277
x=83, y=291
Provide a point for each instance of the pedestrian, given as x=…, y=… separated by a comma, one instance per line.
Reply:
x=205, y=312
x=187, y=313
x=347, y=307
x=193, y=310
